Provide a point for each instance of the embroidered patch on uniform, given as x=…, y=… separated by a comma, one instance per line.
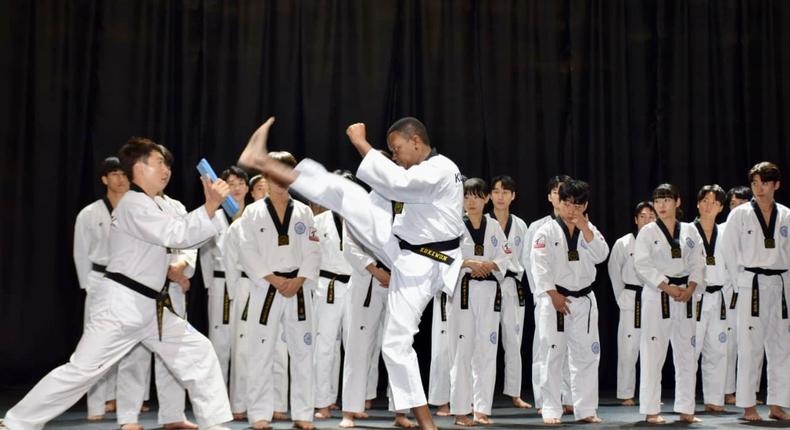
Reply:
x=492, y=337
x=506, y=248
x=596, y=347
x=494, y=241
x=539, y=244
x=313, y=235
x=299, y=228
x=783, y=231
x=517, y=240
x=722, y=337
x=308, y=338
x=689, y=242
x=693, y=340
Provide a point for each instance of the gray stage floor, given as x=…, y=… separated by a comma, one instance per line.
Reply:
x=505, y=418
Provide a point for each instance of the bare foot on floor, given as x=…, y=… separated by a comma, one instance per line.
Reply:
x=689, y=418
x=592, y=419
x=483, y=419
x=304, y=425
x=750, y=414
x=347, y=422
x=655, y=419
x=279, y=416
x=521, y=404
x=131, y=426
x=714, y=408
x=552, y=421
x=628, y=402
x=360, y=415
x=180, y=425
x=261, y=425
x=95, y=417
x=464, y=421
x=403, y=422
x=334, y=407
x=443, y=411
x=729, y=399
x=322, y=414
x=777, y=413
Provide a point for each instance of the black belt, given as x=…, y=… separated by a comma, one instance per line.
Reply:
x=519, y=287
x=682, y=280
x=433, y=250
x=712, y=289
x=637, y=303
x=162, y=297
x=380, y=265
x=330, y=289
x=756, y=290
x=221, y=274
x=267, y=304
x=98, y=268
x=465, y=291
x=584, y=292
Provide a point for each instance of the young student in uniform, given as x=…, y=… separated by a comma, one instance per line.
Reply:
x=259, y=187
x=503, y=192
x=563, y=258
x=669, y=259
x=627, y=289
x=125, y=308
x=712, y=337
x=538, y=356
x=735, y=197
x=279, y=252
x=91, y=253
x=474, y=310
x=757, y=254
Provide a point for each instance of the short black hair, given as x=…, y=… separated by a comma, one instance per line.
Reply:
x=644, y=205
x=136, y=149
x=255, y=179
x=410, y=127
x=666, y=190
x=235, y=171
x=741, y=191
x=575, y=191
x=718, y=193
x=109, y=165
x=767, y=171
x=476, y=187
x=507, y=182
x=555, y=182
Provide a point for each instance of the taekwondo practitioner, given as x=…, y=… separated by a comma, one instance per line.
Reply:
x=430, y=187
x=212, y=266
x=259, y=187
x=711, y=337
x=538, y=356
x=757, y=253
x=129, y=307
x=91, y=254
x=735, y=197
x=669, y=258
x=627, y=289
x=279, y=252
x=474, y=311
x=563, y=258
x=513, y=295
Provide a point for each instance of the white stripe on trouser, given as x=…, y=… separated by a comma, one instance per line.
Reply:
x=329, y=321
x=439, y=379
x=576, y=346
x=122, y=319
x=627, y=354
x=262, y=341
x=512, y=333
x=103, y=390
x=221, y=335
x=769, y=333
x=711, y=342
x=657, y=333
x=364, y=330
x=473, y=341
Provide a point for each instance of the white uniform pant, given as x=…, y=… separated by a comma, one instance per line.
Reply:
x=220, y=332
x=473, y=341
x=732, y=341
x=628, y=338
x=439, y=379
x=579, y=347
x=364, y=329
x=330, y=322
x=262, y=345
x=512, y=333
x=120, y=319
x=711, y=341
x=539, y=363
x=375, y=354
x=103, y=390
x=134, y=378
x=768, y=332
x=657, y=332
x=238, y=372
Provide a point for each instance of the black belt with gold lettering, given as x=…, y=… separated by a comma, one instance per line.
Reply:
x=522, y=301
x=637, y=303
x=162, y=297
x=380, y=265
x=682, y=280
x=712, y=289
x=756, y=289
x=434, y=250
x=330, y=289
x=98, y=268
x=584, y=292
x=267, y=304
x=465, y=291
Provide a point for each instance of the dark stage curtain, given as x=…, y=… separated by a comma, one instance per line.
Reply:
x=623, y=94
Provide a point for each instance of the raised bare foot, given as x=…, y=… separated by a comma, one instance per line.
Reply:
x=655, y=419
x=403, y=422
x=110, y=406
x=714, y=408
x=95, y=417
x=521, y=404
x=750, y=414
x=322, y=413
x=777, y=413
x=279, y=416
x=567, y=409
x=131, y=426
x=180, y=425
x=552, y=421
x=304, y=425
x=729, y=399
x=255, y=153
x=592, y=419
x=689, y=418
x=628, y=402
x=261, y=425
x=482, y=419
x=464, y=421
x=239, y=416
x=443, y=411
